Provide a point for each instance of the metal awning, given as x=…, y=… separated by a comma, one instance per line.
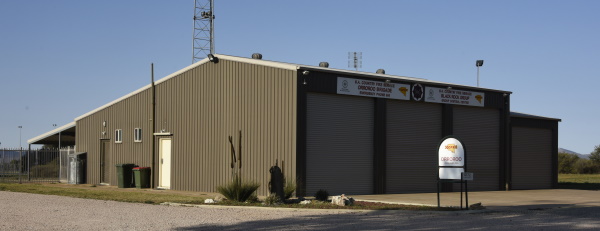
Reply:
x=530, y=116
x=63, y=135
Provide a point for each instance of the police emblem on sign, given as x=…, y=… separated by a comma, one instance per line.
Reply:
x=417, y=92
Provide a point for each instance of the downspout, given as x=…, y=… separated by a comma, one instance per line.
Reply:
x=153, y=128
x=508, y=145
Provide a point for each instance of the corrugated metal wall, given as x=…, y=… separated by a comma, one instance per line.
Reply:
x=133, y=112
x=479, y=130
x=413, y=133
x=531, y=158
x=201, y=107
x=339, y=149
x=205, y=105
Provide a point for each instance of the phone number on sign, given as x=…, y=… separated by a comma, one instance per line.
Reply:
x=451, y=158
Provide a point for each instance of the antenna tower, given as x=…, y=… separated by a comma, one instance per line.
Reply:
x=355, y=60
x=204, y=37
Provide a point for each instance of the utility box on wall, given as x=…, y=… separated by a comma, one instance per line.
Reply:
x=77, y=168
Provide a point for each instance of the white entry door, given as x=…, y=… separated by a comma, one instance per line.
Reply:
x=165, y=163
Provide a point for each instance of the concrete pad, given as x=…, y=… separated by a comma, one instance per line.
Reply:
x=516, y=199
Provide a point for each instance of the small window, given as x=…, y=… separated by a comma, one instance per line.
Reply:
x=137, y=135
x=118, y=136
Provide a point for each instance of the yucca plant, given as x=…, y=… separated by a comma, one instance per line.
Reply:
x=237, y=190
x=288, y=189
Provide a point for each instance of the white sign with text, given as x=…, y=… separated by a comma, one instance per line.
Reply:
x=451, y=153
x=377, y=89
x=451, y=96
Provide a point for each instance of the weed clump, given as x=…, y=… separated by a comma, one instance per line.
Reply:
x=321, y=195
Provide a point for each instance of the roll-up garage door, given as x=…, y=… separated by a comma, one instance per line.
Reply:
x=479, y=130
x=339, y=144
x=413, y=133
x=531, y=158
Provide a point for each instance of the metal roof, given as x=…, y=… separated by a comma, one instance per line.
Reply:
x=530, y=116
x=67, y=136
x=290, y=66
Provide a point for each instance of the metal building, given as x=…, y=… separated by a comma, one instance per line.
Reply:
x=343, y=131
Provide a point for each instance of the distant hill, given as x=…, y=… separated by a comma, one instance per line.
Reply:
x=584, y=156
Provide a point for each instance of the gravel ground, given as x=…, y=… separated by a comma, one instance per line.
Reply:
x=22, y=211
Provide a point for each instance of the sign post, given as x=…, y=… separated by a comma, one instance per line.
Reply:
x=452, y=158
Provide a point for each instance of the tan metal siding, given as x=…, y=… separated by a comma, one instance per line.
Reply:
x=339, y=151
x=133, y=112
x=205, y=105
x=413, y=133
x=201, y=107
x=479, y=129
x=531, y=158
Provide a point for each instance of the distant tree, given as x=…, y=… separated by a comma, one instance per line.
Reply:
x=49, y=146
x=595, y=155
x=566, y=162
x=585, y=166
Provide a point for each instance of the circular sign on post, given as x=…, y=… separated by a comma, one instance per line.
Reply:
x=451, y=153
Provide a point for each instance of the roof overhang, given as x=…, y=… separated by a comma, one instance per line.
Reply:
x=65, y=135
x=530, y=116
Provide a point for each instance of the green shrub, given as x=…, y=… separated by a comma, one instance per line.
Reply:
x=585, y=166
x=566, y=162
x=322, y=195
x=289, y=189
x=237, y=190
x=273, y=199
x=50, y=169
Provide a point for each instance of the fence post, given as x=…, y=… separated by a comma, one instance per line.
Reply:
x=20, y=164
x=29, y=163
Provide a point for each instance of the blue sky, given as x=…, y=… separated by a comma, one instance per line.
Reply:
x=60, y=59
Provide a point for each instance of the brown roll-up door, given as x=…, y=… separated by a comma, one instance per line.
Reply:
x=339, y=144
x=413, y=133
x=531, y=158
x=479, y=129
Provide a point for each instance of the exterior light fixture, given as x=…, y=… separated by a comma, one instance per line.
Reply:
x=478, y=64
x=212, y=58
x=387, y=81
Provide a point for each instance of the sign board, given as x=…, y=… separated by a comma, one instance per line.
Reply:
x=451, y=96
x=451, y=152
x=467, y=176
x=452, y=157
x=377, y=89
x=450, y=173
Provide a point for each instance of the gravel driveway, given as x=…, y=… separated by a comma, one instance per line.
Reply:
x=22, y=211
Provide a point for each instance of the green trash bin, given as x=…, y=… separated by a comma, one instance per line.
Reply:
x=142, y=177
x=124, y=175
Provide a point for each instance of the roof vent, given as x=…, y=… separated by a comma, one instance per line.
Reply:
x=257, y=56
x=323, y=64
x=380, y=71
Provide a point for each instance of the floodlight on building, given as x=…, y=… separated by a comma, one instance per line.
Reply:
x=212, y=58
x=478, y=64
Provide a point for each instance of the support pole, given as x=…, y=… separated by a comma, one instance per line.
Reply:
x=153, y=129
x=20, y=163
x=29, y=164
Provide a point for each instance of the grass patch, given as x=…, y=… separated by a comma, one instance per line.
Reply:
x=358, y=205
x=579, y=181
x=123, y=196
x=150, y=197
